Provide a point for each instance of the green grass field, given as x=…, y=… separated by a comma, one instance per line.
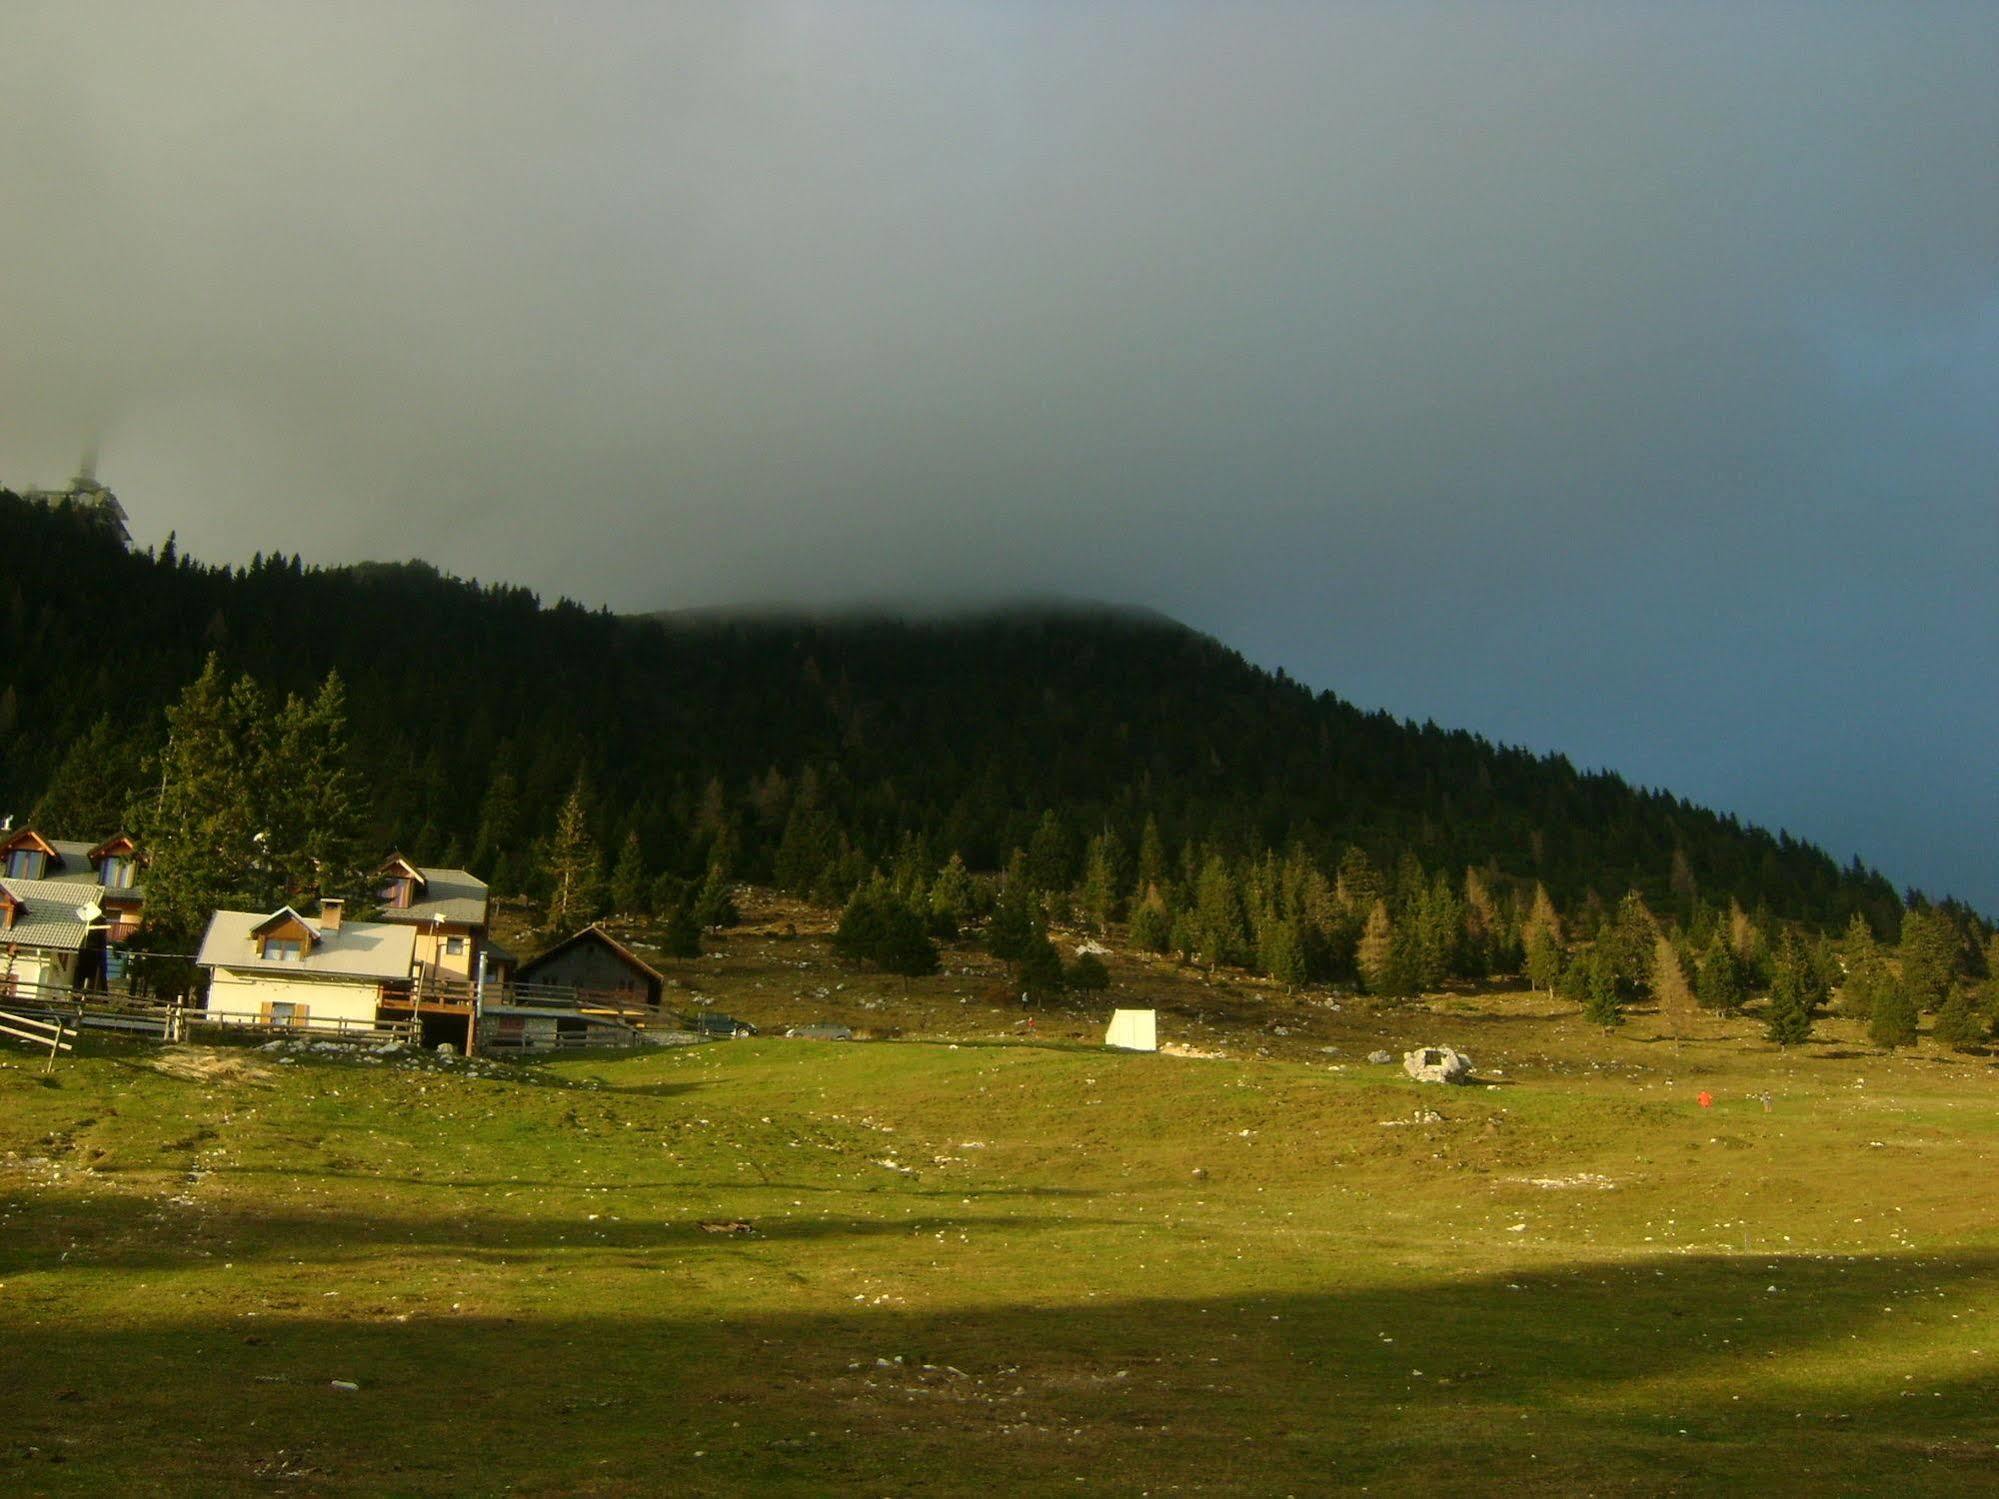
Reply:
x=983, y=1262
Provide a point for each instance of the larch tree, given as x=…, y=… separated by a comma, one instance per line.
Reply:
x=572, y=866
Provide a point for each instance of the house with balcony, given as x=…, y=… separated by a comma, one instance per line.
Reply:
x=66, y=905
x=448, y=909
x=108, y=872
x=324, y=973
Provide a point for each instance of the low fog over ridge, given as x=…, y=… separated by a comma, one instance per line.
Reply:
x=1615, y=381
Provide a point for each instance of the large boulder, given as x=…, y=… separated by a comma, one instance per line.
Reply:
x=1437, y=1064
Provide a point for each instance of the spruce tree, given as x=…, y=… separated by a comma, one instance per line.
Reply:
x=1224, y=934
x=950, y=898
x=1929, y=956
x=199, y=824
x=630, y=886
x=312, y=800
x=681, y=936
x=92, y=784
x=715, y=902
x=1718, y=985
x=1544, y=958
x=1788, y=1019
x=572, y=867
x=1281, y=954
x=1960, y=1024
x=1893, y=1021
x=1151, y=928
x=1603, y=998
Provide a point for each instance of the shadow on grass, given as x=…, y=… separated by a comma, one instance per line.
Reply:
x=132, y=1233
x=1684, y=1374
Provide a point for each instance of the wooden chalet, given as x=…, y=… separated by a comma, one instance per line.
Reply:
x=64, y=905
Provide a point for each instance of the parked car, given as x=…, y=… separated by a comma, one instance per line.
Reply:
x=708, y=1023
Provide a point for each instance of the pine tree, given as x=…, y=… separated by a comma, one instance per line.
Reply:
x=630, y=886
x=572, y=867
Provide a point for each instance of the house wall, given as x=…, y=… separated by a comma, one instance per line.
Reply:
x=431, y=948
x=243, y=994
x=588, y=966
x=35, y=968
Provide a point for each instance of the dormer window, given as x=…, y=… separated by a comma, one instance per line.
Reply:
x=280, y=950
x=115, y=873
x=26, y=863
x=397, y=893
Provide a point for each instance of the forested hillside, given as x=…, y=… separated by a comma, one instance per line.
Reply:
x=812, y=750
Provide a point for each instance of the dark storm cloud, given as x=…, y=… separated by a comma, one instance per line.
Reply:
x=1617, y=379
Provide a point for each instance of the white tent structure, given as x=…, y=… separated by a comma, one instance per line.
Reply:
x=1133, y=1030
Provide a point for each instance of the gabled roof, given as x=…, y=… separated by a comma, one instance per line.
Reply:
x=120, y=844
x=45, y=914
x=456, y=896
x=374, y=950
x=282, y=917
x=396, y=865
x=591, y=933
x=27, y=838
x=73, y=861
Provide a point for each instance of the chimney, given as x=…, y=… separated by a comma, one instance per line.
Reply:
x=330, y=910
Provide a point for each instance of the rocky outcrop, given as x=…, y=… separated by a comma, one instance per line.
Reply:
x=1437, y=1064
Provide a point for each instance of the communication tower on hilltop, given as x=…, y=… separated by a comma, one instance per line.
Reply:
x=89, y=497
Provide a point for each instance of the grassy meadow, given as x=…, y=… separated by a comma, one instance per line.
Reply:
x=977, y=1257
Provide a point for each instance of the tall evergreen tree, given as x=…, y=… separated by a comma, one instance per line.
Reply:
x=572, y=866
x=199, y=825
x=1788, y=1019
x=1224, y=933
x=1719, y=985
x=631, y=886
x=313, y=800
x=1893, y=1020
x=92, y=784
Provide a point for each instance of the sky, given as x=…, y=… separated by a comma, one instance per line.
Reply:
x=1616, y=379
